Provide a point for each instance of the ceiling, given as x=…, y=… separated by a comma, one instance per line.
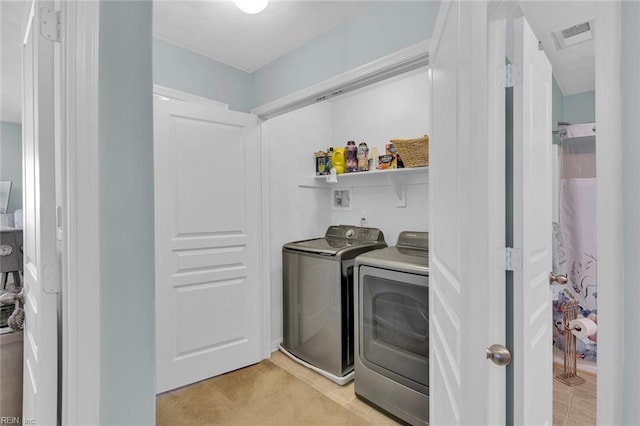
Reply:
x=573, y=67
x=217, y=29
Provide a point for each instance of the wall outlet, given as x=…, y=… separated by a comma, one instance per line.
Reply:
x=363, y=218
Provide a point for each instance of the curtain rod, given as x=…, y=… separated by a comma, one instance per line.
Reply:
x=562, y=132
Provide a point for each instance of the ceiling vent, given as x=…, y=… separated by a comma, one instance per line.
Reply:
x=573, y=36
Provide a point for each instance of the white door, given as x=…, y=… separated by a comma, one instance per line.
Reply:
x=466, y=185
x=468, y=220
x=207, y=207
x=532, y=182
x=41, y=267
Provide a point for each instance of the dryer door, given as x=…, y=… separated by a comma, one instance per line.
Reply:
x=393, y=325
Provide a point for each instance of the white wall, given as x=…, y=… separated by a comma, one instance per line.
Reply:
x=378, y=203
x=400, y=108
x=396, y=109
x=295, y=213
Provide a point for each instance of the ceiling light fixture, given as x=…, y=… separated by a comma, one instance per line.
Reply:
x=251, y=6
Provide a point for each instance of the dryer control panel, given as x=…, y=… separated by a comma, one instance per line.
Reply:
x=413, y=240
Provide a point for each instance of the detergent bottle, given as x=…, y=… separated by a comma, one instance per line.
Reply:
x=363, y=157
x=351, y=157
x=373, y=158
x=337, y=160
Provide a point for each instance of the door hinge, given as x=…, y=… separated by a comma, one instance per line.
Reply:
x=51, y=280
x=509, y=75
x=50, y=24
x=510, y=259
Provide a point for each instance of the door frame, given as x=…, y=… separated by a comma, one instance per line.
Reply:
x=610, y=234
x=79, y=217
x=179, y=95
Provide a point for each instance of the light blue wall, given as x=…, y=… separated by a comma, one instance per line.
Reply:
x=579, y=108
x=379, y=30
x=182, y=69
x=11, y=161
x=127, y=299
x=631, y=207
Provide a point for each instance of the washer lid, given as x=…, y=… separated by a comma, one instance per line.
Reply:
x=326, y=246
x=341, y=239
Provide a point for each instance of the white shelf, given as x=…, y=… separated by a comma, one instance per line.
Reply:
x=397, y=178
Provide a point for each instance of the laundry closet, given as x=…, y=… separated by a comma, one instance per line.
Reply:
x=302, y=206
x=231, y=190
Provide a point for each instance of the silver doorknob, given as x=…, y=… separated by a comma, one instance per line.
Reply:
x=499, y=355
x=560, y=278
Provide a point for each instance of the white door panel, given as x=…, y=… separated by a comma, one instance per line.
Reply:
x=445, y=299
x=532, y=351
x=202, y=147
x=41, y=269
x=466, y=229
x=207, y=236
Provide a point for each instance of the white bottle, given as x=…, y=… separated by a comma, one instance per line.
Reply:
x=373, y=158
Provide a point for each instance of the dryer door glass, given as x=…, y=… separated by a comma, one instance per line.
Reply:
x=394, y=325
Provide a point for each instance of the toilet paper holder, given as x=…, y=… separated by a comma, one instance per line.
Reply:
x=569, y=315
x=573, y=327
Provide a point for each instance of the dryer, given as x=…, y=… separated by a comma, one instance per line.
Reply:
x=392, y=331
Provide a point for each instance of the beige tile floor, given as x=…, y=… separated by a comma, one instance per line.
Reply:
x=343, y=395
x=572, y=406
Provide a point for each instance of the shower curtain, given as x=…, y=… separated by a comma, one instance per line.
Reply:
x=575, y=234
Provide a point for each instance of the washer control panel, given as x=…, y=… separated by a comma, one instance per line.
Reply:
x=355, y=233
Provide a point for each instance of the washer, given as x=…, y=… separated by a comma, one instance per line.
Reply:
x=318, y=298
x=392, y=332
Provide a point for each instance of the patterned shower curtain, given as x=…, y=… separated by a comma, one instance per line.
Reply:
x=575, y=235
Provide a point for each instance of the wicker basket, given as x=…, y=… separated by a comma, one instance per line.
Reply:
x=413, y=152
